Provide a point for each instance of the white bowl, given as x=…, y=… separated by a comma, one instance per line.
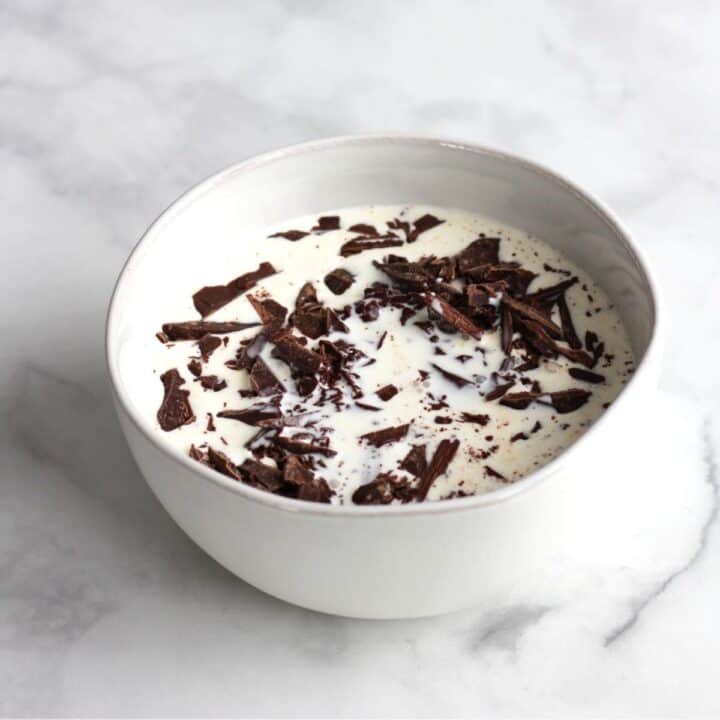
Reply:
x=398, y=561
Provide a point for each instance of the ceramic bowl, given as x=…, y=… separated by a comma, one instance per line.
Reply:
x=387, y=561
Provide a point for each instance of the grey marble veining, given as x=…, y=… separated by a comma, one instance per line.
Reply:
x=107, y=112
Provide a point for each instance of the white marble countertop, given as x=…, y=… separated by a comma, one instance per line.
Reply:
x=108, y=110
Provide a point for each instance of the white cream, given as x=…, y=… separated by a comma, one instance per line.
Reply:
x=405, y=351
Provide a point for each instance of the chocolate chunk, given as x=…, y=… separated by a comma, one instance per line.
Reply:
x=452, y=377
x=196, y=329
x=442, y=420
x=207, y=345
x=209, y=299
x=421, y=225
x=326, y=223
x=210, y=427
x=566, y=401
x=175, y=409
x=261, y=475
x=339, y=280
x=518, y=400
x=550, y=294
x=507, y=331
x=536, y=427
x=516, y=278
x=387, y=392
x=162, y=337
x=382, y=340
x=292, y=235
x=213, y=382
x=221, y=462
x=303, y=447
x=441, y=459
x=365, y=406
x=438, y=307
x=586, y=375
x=498, y=391
x=310, y=488
x=386, y=435
x=406, y=275
x=477, y=255
x=312, y=320
x=415, y=462
x=518, y=436
x=263, y=380
x=195, y=367
x=363, y=229
x=360, y=244
x=385, y=488
x=528, y=311
x=249, y=353
x=475, y=418
x=568, y=328
x=253, y=415
x=494, y=474
x=271, y=313
x=298, y=357
x=550, y=268
x=305, y=385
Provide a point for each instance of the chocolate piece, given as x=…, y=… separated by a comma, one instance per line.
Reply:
x=209, y=299
x=566, y=401
x=303, y=447
x=406, y=275
x=519, y=400
x=210, y=427
x=305, y=385
x=494, y=474
x=196, y=329
x=221, y=462
x=498, y=391
x=175, y=409
x=442, y=420
x=365, y=406
x=506, y=332
x=292, y=235
x=568, y=328
x=207, y=345
x=441, y=459
x=438, y=307
x=415, y=462
x=421, y=225
x=516, y=278
x=360, y=244
x=518, y=436
x=253, y=415
x=298, y=357
x=475, y=418
x=212, y=382
x=387, y=392
x=263, y=380
x=586, y=375
x=381, y=340
x=550, y=268
x=478, y=255
x=195, y=367
x=386, y=435
x=271, y=313
x=536, y=427
x=327, y=223
x=310, y=488
x=532, y=313
x=261, y=475
x=385, y=488
x=162, y=337
x=452, y=377
x=339, y=280
x=549, y=295
x=249, y=353
x=363, y=229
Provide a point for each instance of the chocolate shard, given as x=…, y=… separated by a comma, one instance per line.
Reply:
x=385, y=488
x=250, y=352
x=361, y=244
x=292, y=235
x=211, y=298
x=363, y=229
x=212, y=382
x=271, y=312
x=297, y=356
x=387, y=435
x=196, y=329
x=415, y=462
x=263, y=380
x=310, y=488
x=506, y=329
x=207, y=346
x=306, y=296
x=567, y=401
x=498, y=391
x=303, y=447
x=221, y=462
x=387, y=392
x=456, y=380
x=516, y=278
x=441, y=459
x=253, y=415
x=261, y=475
x=406, y=275
x=586, y=375
x=423, y=224
x=478, y=418
x=494, y=474
x=566, y=322
x=339, y=280
x=326, y=223
x=195, y=367
x=440, y=308
x=175, y=409
x=518, y=400
x=532, y=313
x=550, y=294
x=306, y=384
x=477, y=255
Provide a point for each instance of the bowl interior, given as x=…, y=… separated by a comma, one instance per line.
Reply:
x=188, y=245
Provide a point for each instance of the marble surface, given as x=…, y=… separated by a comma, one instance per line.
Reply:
x=108, y=110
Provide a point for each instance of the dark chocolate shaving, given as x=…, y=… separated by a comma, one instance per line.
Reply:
x=196, y=329
x=478, y=255
x=326, y=223
x=361, y=244
x=415, y=462
x=254, y=415
x=212, y=382
x=387, y=435
x=292, y=235
x=441, y=459
x=478, y=418
x=456, y=380
x=385, y=488
x=175, y=409
x=498, y=391
x=296, y=355
x=271, y=313
x=387, y=392
x=209, y=299
x=195, y=367
x=568, y=328
x=221, y=462
x=260, y=475
x=363, y=229
x=339, y=280
x=207, y=345
x=586, y=375
x=494, y=474
x=440, y=308
x=263, y=380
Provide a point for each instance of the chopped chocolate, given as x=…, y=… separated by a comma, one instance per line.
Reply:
x=222, y=463
x=298, y=357
x=306, y=384
x=381, y=340
x=440, y=308
x=536, y=427
x=263, y=380
x=456, y=380
x=175, y=409
x=162, y=337
x=421, y=225
x=586, y=375
x=550, y=294
x=292, y=235
x=207, y=345
x=387, y=392
x=481, y=253
x=566, y=322
x=441, y=459
x=326, y=223
x=365, y=406
x=211, y=298
x=566, y=401
x=250, y=352
x=259, y=474
x=550, y=268
x=253, y=415
x=196, y=329
x=339, y=280
x=385, y=488
x=363, y=229
x=442, y=420
x=195, y=367
x=494, y=474
x=415, y=462
x=475, y=418
x=532, y=313
x=406, y=275
x=303, y=447
x=506, y=332
x=387, y=435
x=360, y=244
x=210, y=427
x=498, y=391
x=271, y=313
x=518, y=436
x=518, y=400
x=212, y=382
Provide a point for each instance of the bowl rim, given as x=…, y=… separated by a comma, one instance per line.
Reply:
x=278, y=502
